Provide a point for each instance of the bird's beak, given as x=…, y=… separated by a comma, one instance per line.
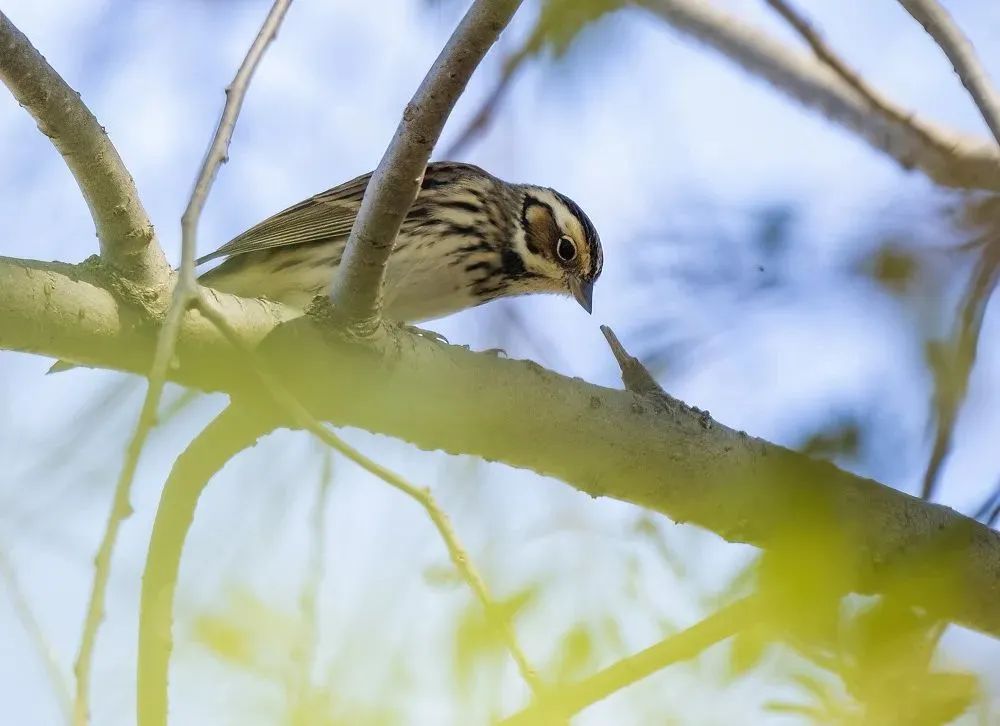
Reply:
x=583, y=291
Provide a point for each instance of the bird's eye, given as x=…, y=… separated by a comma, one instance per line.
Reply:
x=566, y=249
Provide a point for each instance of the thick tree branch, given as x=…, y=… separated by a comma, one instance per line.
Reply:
x=128, y=242
x=604, y=442
x=357, y=283
x=947, y=157
x=939, y=25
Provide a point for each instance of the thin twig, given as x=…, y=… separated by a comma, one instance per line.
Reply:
x=127, y=239
x=942, y=28
x=57, y=679
x=989, y=510
x=310, y=590
x=826, y=54
x=184, y=293
x=566, y=701
x=357, y=283
x=301, y=417
x=953, y=159
x=958, y=358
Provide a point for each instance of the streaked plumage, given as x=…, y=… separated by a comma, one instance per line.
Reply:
x=468, y=238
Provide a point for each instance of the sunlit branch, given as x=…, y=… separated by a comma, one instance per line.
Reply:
x=956, y=46
x=679, y=462
x=951, y=159
x=565, y=701
x=357, y=283
x=183, y=294
x=225, y=436
x=128, y=242
x=57, y=679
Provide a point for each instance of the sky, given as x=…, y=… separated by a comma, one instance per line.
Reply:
x=686, y=165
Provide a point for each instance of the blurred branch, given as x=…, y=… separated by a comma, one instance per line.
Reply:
x=566, y=701
x=127, y=239
x=989, y=510
x=229, y=433
x=310, y=630
x=184, y=293
x=60, y=687
x=484, y=116
x=558, y=24
x=237, y=427
x=357, y=284
x=953, y=362
x=878, y=103
x=956, y=46
x=947, y=157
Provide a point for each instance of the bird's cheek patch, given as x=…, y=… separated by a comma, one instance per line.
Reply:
x=543, y=232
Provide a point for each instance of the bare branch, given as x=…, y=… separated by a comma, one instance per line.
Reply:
x=127, y=239
x=566, y=701
x=942, y=28
x=950, y=159
x=184, y=293
x=357, y=284
x=680, y=463
x=36, y=635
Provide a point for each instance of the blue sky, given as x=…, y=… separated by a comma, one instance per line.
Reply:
x=672, y=151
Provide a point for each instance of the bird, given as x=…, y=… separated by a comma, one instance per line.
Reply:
x=467, y=239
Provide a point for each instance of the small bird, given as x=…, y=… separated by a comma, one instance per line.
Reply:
x=468, y=238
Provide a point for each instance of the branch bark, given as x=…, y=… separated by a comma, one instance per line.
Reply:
x=127, y=239
x=956, y=46
x=357, y=283
x=947, y=157
x=673, y=460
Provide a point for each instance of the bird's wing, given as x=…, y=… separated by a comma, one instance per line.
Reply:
x=326, y=215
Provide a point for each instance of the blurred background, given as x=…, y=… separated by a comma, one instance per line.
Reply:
x=768, y=266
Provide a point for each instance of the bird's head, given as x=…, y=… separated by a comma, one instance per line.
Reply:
x=558, y=245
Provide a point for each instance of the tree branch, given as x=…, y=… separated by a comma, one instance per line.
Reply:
x=22, y=608
x=357, y=284
x=956, y=46
x=184, y=293
x=853, y=79
x=567, y=701
x=607, y=443
x=947, y=157
x=127, y=239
